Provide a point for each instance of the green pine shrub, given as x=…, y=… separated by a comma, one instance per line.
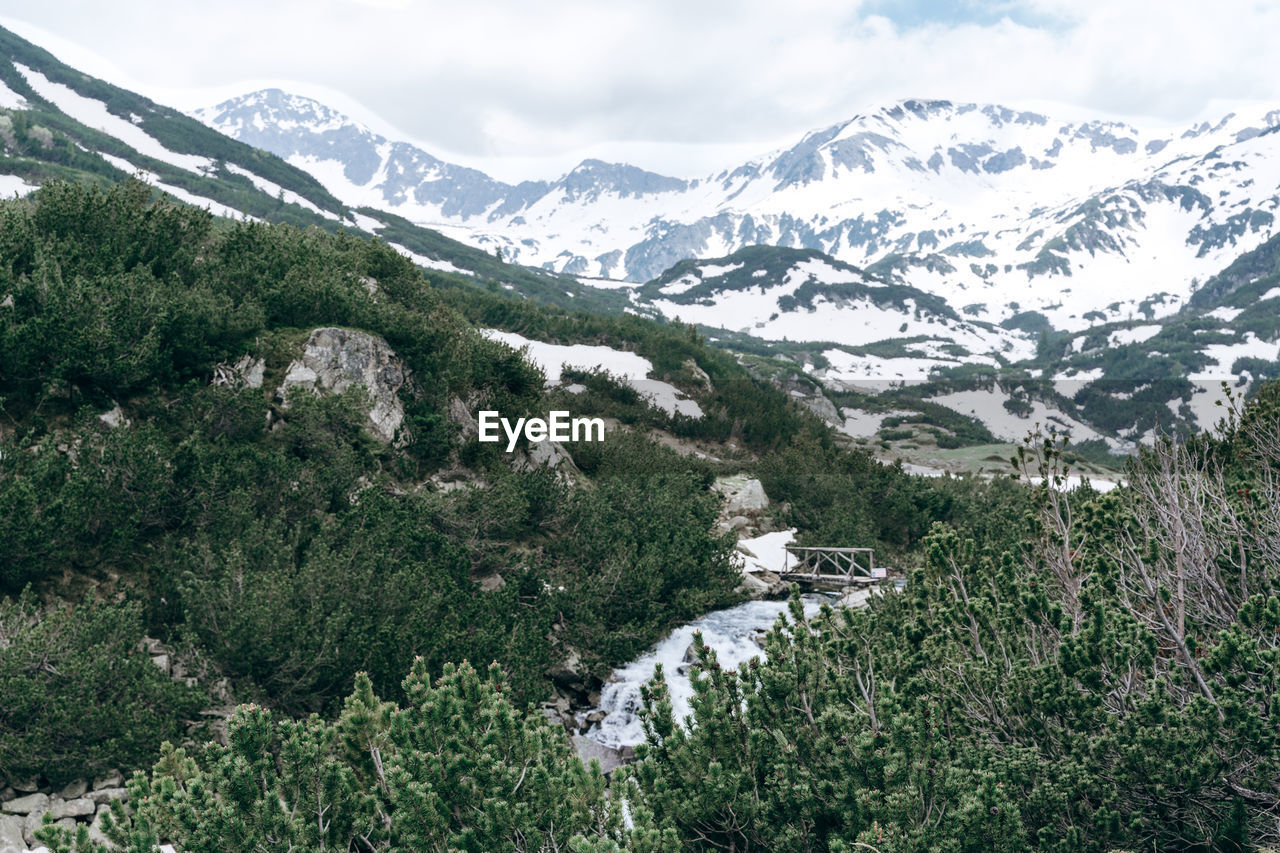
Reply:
x=455, y=768
x=77, y=694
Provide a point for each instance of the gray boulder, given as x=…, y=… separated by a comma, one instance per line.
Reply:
x=113, y=779
x=74, y=789
x=79, y=807
x=106, y=795
x=334, y=360
x=11, y=840
x=549, y=454
x=460, y=414
x=96, y=833
x=699, y=374
x=741, y=495
x=823, y=408
x=38, y=803
x=609, y=757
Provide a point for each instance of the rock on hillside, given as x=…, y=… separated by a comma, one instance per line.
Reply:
x=333, y=360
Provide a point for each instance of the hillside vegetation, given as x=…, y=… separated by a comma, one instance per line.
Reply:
x=1065, y=672
x=286, y=548
x=1105, y=681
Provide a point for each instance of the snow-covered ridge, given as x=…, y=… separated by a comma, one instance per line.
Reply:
x=782, y=294
x=1006, y=210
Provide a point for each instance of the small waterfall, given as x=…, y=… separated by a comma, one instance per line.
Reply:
x=730, y=632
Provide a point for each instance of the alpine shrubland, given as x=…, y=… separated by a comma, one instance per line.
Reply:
x=1061, y=672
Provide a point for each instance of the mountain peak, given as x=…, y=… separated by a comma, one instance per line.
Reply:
x=276, y=108
x=592, y=177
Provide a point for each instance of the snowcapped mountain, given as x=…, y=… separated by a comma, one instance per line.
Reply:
x=998, y=211
x=366, y=168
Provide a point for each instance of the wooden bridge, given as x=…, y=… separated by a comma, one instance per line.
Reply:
x=832, y=566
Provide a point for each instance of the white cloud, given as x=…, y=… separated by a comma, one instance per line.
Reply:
x=547, y=81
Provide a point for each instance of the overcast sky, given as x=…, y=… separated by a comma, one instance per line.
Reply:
x=526, y=88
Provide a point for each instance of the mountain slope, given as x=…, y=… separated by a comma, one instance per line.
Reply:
x=803, y=296
x=60, y=122
x=56, y=122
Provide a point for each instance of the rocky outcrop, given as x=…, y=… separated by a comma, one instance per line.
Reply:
x=114, y=418
x=745, y=511
x=610, y=758
x=699, y=374
x=572, y=677
x=76, y=804
x=742, y=495
x=823, y=408
x=334, y=360
x=549, y=454
x=460, y=414
x=762, y=584
x=247, y=372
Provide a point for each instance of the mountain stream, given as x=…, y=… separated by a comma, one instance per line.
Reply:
x=731, y=632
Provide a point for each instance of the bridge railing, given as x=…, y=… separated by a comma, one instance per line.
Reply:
x=831, y=565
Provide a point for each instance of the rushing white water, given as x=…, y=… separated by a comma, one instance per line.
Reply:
x=728, y=631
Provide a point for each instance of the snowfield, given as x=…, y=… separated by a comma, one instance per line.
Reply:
x=94, y=114
x=988, y=407
x=628, y=367
x=11, y=185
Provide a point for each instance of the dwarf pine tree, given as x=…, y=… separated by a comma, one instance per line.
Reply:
x=802, y=752
x=1111, y=685
x=456, y=769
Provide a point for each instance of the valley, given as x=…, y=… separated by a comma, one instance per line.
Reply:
x=352, y=499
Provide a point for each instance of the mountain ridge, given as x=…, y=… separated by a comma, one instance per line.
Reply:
x=973, y=202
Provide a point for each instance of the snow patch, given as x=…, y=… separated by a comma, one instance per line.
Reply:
x=366, y=223
x=667, y=397
x=717, y=270
x=11, y=185
x=683, y=284
x=11, y=100
x=628, y=367
x=1225, y=355
x=768, y=552
x=94, y=114
x=274, y=190
x=429, y=263
x=1135, y=335
x=987, y=405
x=859, y=424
